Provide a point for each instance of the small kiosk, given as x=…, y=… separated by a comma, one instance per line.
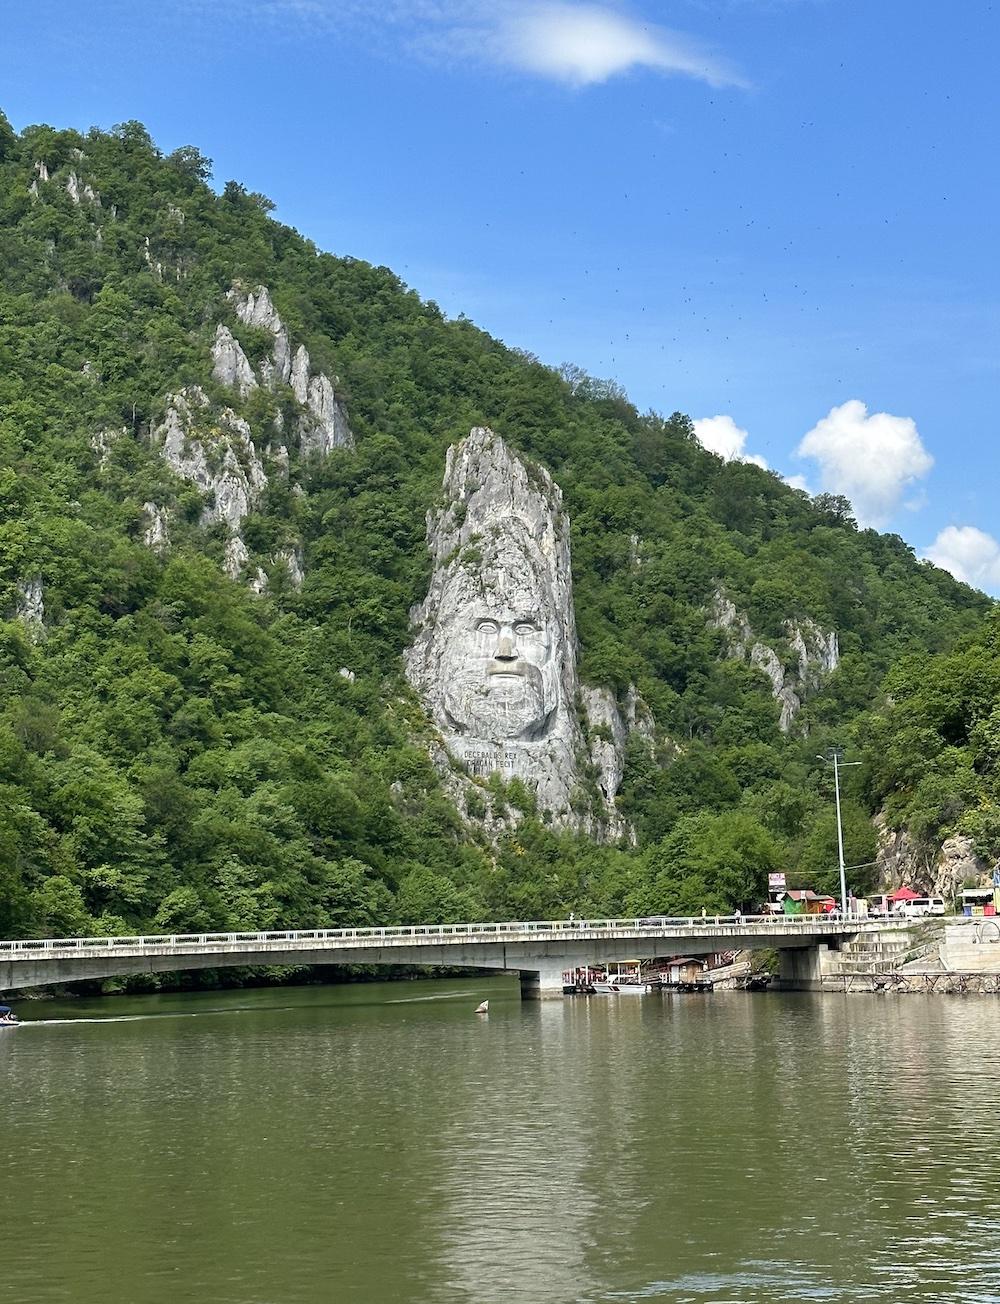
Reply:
x=978, y=901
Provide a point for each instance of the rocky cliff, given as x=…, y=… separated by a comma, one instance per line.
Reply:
x=215, y=449
x=214, y=452
x=322, y=423
x=942, y=871
x=494, y=654
x=794, y=673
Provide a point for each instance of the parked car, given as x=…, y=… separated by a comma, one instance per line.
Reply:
x=920, y=907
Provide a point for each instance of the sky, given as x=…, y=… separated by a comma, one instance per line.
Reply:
x=777, y=216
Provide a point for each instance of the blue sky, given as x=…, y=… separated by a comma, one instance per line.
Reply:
x=778, y=213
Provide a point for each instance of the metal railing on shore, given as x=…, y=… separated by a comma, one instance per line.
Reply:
x=561, y=929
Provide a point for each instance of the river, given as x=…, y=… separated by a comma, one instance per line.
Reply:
x=381, y=1143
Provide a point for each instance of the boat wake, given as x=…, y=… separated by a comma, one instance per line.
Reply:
x=131, y=1018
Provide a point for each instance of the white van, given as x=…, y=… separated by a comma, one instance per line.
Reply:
x=920, y=906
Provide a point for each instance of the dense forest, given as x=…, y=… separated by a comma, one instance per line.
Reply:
x=179, y=752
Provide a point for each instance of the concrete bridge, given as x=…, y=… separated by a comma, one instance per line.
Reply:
x=538, y=951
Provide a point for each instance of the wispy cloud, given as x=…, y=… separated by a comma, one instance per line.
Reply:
x=577, y=44
x=587, y=44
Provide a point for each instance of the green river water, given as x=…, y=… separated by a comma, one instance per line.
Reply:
x=382, y=1143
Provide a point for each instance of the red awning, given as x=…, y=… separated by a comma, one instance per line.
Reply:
x=903, y=894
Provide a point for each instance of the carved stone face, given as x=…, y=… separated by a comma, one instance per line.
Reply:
x=501, y=677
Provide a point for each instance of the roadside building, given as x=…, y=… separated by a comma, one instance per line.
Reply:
x=804, y=901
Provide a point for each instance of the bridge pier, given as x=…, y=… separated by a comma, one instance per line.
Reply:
x=540, y=984
x=802, y=969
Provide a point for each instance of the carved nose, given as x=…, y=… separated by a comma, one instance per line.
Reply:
x=506, y=651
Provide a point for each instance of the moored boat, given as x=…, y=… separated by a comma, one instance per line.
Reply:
x=8, y=1019
x=626, y=982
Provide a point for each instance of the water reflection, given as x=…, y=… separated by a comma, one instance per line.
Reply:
x=382, y=1143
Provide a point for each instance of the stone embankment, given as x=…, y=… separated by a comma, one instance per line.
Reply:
x=958, y=957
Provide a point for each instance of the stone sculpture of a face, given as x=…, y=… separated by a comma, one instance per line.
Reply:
x=494, y=651
x=500, y=649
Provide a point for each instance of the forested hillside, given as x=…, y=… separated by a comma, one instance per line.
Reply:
x=178, y=751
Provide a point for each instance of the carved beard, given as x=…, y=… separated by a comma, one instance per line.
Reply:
x=494, y=706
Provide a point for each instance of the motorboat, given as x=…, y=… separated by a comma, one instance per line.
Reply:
x=626, y=982
x=483, y=1007
x=8, y=1019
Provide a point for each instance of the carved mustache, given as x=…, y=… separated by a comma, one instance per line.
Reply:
x=509, y=668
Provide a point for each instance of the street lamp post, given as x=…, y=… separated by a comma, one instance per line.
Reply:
x=838, y=765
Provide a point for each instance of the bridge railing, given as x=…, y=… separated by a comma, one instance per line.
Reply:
x=649, y=926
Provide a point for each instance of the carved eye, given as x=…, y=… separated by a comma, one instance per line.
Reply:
x=525, y=627
x=488, y=627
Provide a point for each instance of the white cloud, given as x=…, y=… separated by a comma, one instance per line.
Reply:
x=971, y=555
x=584, y=44
x=870, y=459
x=797, y=482
x=723, y=437
x=580, y=44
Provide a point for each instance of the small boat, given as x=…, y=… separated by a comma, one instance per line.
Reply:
x=483, y=1007
x=8, y=1019
x=626, y=982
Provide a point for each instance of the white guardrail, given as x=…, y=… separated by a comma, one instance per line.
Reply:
x=650, y=926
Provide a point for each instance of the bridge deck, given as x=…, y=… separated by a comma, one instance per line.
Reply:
x=745, y=931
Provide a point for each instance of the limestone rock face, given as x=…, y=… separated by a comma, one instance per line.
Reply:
x=255, y=308
x=30, y=607
x=154, y=265
x=494, y=657
x=102, y=441
x=230, y=365
x=608, y=738
x=79, y=192
x=292, y=559
x=155, y=531
x=900, y=861
x=236, y=557
x=41, y=174
x=220, y=459
x=956, y=863
x=323, y=425
x=813, y=655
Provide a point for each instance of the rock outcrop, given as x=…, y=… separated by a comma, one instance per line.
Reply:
x=230, y=365
x=291, y=558
x=901, y=861
x=80, y=192
x=813, y=654
x=494, y=656
x=323, y=427
x=102, y=441
x=610, y=724
x=41, y=174
x=29, y=608
x=236, y=556
x=155, y=527
x=219, y=457
x=323, y=424
x=254, y=308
